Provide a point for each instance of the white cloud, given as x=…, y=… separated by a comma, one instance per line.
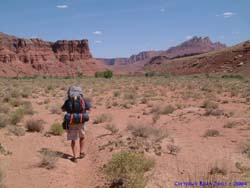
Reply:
x=98, y=42
x=226, y=14
x=189, y=37
x=162, y=10
x=97, y=33
x=62, y=6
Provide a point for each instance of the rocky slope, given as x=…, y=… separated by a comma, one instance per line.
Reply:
x=35, y=56
x=194, y=46
x=235, y=59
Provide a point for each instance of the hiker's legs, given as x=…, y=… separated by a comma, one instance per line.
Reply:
x=73, y=146
x=81, y=141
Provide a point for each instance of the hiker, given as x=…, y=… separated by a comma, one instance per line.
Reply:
x=74, y=120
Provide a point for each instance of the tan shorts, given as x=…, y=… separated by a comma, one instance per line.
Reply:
x=75, y=132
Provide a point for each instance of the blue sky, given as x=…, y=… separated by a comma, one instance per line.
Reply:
x=120, y=28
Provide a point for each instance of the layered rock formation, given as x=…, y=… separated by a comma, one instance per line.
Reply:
x=135, y=63
x=35, y=56
x=196, y=45
x=235, y=59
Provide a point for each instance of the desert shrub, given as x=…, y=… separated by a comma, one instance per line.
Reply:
x=56, y=129
x=112, y=128
x=129, y=96
x=4, y=151
x=146, y=131
x=245, y=148
x=56, y=109
x=25, y=93
x=232, y=76
x=46, y=101
x=213, y=112
x=17, y=115
x=156, y=117
x=116, y=93
x=102, y=118
x=211, y=133
x=17, y=131
x=230, y=125
x=15, y=93
x=150, y=74
x=4, y=108
x=35, y=125
x=209, y=105
x=128, y=169
x=28, y=108
x=15, y=102
x=218, y=170
x=167, y=110
x=173, y=149
x=104, y=74
x=1, y=178
x=49, y=159
x=79, y=74
x=3, y=120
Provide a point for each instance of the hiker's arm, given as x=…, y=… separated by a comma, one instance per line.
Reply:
x=88, y=105
x=64, y=106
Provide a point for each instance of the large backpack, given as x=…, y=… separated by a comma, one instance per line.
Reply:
x=76, y=103
x=75, y=107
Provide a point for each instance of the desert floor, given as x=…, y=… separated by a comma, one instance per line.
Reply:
x=192, y=127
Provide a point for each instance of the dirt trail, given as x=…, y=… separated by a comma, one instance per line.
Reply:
x=22, y=167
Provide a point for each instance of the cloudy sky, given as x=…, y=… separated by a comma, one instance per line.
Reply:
x=119, y=28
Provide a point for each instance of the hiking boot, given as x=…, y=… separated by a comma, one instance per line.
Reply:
x=74, y=160
x=82, y=155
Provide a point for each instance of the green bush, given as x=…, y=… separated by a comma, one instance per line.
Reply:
x=232, y=76
x=56, y=129
x=17, y=115
x=104, y=74
x=128, y=169
x=3, y=120
x=150, y=74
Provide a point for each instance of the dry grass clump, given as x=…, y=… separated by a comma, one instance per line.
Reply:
x=102, y=118
x=245, y=148
x=49, y=158
x=17, y=115
x=4, y=119
x=218, y=170
x=127, y=169
x=17, y=131
x=211, y=133
x=28, y=108
x=167, y=110
x=209, y=105
x=1, y=178
x=35, y=125
x=3, y=151
x=147, y=131
x=56, y=129
x=230, y=125
x=173, y=149
x=112, y=128
x=4, y=108
x=56, y=109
